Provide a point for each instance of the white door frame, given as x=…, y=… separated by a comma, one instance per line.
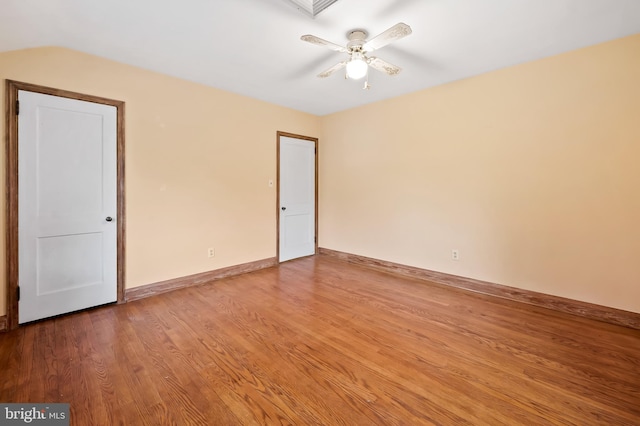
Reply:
x=12, y=256
x=315, y=141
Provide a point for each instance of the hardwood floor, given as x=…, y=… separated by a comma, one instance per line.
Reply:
x=318, y=341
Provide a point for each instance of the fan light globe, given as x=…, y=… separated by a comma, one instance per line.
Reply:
x=356, y=68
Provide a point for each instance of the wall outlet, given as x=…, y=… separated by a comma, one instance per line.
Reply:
x=455, y=254
x=211, y=252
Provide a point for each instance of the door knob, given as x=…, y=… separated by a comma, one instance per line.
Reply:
x=109, y=219
x=284, y=208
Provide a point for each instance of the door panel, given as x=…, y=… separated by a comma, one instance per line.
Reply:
x=297, y=198
x=66, y=190
x=82, y=255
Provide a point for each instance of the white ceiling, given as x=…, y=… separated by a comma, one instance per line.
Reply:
x=253, y=47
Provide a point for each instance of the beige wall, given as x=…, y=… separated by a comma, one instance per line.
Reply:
x=198, y=162
x=532, y=172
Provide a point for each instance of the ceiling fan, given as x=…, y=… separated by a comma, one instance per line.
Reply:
x=358, y=48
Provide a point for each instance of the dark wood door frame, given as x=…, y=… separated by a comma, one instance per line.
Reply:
x=315, y=141
x=11, y=237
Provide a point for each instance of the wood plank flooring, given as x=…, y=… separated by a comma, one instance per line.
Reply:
x=318, y=341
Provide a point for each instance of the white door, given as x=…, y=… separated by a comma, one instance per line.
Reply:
x=297, y=198
x=66, y=205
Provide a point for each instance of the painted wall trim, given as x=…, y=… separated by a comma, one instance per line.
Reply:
x=196, y=279
x=561, y=304
x=3, y=323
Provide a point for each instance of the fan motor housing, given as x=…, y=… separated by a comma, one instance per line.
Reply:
x=356, y=38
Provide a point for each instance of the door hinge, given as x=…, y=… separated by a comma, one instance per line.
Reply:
x=17, y=107
x=18, y=293
x=315, y=239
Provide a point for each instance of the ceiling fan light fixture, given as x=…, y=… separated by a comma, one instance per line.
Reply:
x=358, y=63
x=357, y=67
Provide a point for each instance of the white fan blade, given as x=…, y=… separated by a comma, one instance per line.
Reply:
x=383, y=66
x=321, y=42
x=333, y=69
x=394, y=33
